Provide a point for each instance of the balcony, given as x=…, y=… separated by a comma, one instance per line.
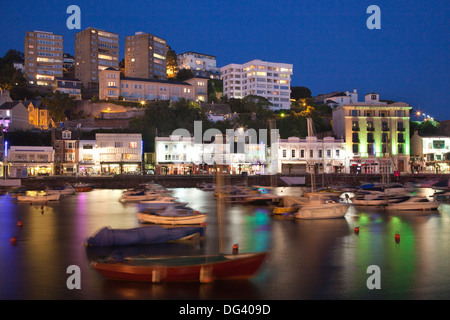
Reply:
x=385, y=128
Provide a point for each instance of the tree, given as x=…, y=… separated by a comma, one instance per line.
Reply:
x=172, y=65
x=184, y=74
x=58, y=104
x=300, y=93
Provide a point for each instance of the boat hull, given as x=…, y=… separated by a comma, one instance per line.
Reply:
x=171, y=220
x=332, y=211
x=185, y=269
x=51, y=197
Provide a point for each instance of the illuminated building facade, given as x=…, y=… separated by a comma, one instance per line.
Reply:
x=72, y=87
x=376, y=135
x=95, y=50
x=430, y=154
x=38, y=114
x=299, y=156
x=112, y=85
x=43, y=57
x=29, y=161
x=201, y=65
x=270, y=80
x=145, y=56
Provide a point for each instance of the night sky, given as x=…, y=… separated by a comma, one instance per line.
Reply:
x=327, y=41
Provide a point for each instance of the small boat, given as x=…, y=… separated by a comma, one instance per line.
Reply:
x=83, y=187
x=142, y=235
x=38, y=197
x=442, y=195
x=182, y=269
x=64, y=190
x=161, y=203
x=172, y=215
x=206, y=186
x=289, y=205
x=322, y=206
x=138, y=196
x=417, y=203
x=369, y=199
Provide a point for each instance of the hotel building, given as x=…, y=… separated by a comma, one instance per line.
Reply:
x=95, y=50
x=43, y=57
x=202, y=65
x=270, y=80
x=145, y=56
x=112, y=85
x=376, y=135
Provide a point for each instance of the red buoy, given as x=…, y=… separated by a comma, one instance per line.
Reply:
x=397, y=237
x=13, y=240
x=356, y=230
x=235, y=248
x=19, y=223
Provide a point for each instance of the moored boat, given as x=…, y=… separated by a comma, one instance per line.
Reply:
x=83, y=187
x=416, y=203
x=322, y=206
x=183, y=269
x=145, y=235
x=64, y=190
x=38, y=197
x=172, y=215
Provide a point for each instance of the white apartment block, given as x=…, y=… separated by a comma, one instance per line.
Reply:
x=271, y=80
x=202, y=65
x=26, y=161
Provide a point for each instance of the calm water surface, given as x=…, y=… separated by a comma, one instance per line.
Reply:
x=321, y=259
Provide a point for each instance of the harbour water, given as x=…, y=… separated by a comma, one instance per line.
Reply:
x=315, y=259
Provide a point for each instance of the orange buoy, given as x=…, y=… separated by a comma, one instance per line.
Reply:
x=397, y=237
x=356, y=230
x=42, y=207
x=19, y=223
x=235, y=248
x=13, y=240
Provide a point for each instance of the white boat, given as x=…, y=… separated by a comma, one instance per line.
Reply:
x=38, y=197
x=139, y=196
x=369, y=199
x=442, y=195
x=395, y=189
x=161, y=203
x=416, y=203
x=206, y=186
x=322, y=206
x=172, y=215
x=65, y=190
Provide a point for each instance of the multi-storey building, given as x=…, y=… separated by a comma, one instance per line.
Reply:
x=43, y=57
x=95, y=50
x=202, y=65
x=270, y=80
x=39, y=116
x=28, y=161
x=430, y=153
x=376, y=134
x=119, y=152
x=72, y=87
x=112, y=85
x=66, y=143
x=298, y=156
x=145, y=56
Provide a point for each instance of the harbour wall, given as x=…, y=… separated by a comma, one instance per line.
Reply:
x=191, y=181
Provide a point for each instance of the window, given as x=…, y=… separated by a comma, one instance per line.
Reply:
x=311, y=153
x=337, y=153
x=133, y=144
x=320, y=153
x=370, y=148
x=370, y=137
x=328, y=153
x=355, y=148
x=284, y=153
x=293, y=153
x=66, y=134
x=302, y=153
x=118, y=144
x=354, y=113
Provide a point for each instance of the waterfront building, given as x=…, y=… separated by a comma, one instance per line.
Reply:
x=38, y=114
x=271, y=80
x=95, y=51
x=88, y=158
x=311, y=155
x=13, y=115
x=178, y=154
x=72, y=87
x=43, y=58
x=3, y=153
x=201, y=65
x=119, y=153
x=376, y=135
x=145, y=56
x=113, y=86
x=65, y=143
x=30, y=161
x=430, y=154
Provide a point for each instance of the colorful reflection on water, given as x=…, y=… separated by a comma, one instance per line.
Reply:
x=312, y=259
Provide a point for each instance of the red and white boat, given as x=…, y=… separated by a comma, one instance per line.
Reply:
x=83, y=187
x=183, y=269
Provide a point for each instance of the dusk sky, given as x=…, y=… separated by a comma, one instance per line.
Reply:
x=327, y=42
